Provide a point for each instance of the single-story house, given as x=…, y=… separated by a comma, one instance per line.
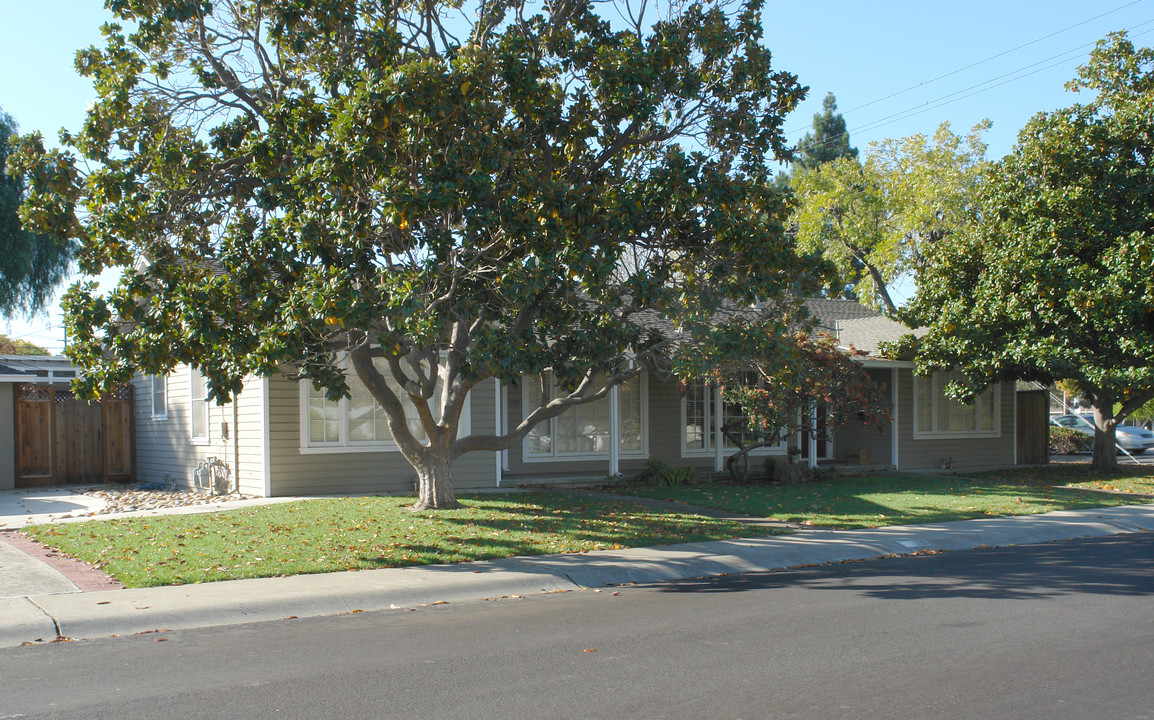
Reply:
x=280, y=437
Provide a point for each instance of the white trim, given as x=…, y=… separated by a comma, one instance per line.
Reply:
x=895, y=427
x=343, y=449
x=994, y=397
x=718, y=409
x=1015, y=425
x=163, y=414
x=204, y=439
x=266, y=441
x=615, y=431
x=498, y=429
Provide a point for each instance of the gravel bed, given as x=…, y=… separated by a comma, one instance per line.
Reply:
x=125, y=500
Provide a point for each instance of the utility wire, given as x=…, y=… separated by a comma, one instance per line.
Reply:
x=980, y=62
x=992, y=57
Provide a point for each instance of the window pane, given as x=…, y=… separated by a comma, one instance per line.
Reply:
x=696, y=422
x=538, y=442
x=629, y=415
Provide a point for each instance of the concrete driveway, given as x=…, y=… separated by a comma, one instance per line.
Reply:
x=39, y=505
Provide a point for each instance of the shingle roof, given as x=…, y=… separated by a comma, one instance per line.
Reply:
x=864, y=333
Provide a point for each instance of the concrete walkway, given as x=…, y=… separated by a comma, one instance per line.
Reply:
x=62, y=612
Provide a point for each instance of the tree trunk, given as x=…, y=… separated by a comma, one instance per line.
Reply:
x=1105, y=441
x=435, y=490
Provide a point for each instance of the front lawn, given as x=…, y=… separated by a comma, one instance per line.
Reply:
x=316, y=536
x=1128, y=479
x=877, y=501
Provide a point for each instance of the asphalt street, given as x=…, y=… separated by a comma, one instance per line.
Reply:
x=1057, y=630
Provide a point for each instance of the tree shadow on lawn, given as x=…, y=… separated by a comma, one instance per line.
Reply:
x=1105, y=566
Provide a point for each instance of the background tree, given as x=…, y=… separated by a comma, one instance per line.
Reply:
x=32, y=265
x=425, y=196
x=828, y=141
x=1055, y=282
x=16, y=346
x=875, y=220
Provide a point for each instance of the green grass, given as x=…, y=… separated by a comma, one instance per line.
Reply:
x=317, y=536
x=1128, y=479
x=878, y=501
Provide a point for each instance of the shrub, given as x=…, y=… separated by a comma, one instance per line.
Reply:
x=1064, y=441
x=664, y=475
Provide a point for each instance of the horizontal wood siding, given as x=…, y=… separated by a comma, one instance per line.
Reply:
x=297, y=473
x=857, y=435
x=967, y=453
x=165, y=451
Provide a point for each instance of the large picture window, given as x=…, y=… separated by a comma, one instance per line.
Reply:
x=698, y=407
x=937, y=416
x=357, y=423
x=585, y=430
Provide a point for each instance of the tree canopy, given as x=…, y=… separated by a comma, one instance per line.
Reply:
x=424, y=196
x=32, y=265
x=1055, y=281
x=17, y=346
x=828, y=141
x=875, y=219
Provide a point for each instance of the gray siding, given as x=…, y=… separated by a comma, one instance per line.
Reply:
x=165, y=451
x=857, y=435
x=7, y=437
x=967, y=453
x=293, y=472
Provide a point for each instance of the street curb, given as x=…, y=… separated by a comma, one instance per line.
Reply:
x=126, y=612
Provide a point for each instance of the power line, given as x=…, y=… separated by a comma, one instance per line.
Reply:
x=992, y=57
x=981, y=62
x=946, y=99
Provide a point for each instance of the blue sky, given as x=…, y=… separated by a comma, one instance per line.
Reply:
x=898, y=67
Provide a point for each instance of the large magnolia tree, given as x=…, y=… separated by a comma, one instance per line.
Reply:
x=428, y=194
x=1057, y=280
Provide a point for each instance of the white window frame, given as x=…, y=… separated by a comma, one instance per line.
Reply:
x=343, y=444
x=160, y=413
x=709, y=450
x=551, y=424
x=195, y=405
x=990, y=396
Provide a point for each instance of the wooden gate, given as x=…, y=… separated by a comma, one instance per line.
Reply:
x=61, y=440
x=1033, y=428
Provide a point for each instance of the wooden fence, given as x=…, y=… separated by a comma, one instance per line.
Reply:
x=61, y=440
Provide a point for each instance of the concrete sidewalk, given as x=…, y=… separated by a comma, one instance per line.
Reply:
x=74, y=615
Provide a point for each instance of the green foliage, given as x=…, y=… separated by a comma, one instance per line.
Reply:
x=32, y=265
x=904, y=348
x=446, y=192
x=876, y=219
x=660, y=474
x=828, y=141
x=777, y=372
x=1055, y=283
x=10, y=346
x=1064, y=441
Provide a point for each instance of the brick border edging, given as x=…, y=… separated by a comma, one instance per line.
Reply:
x=84, y=576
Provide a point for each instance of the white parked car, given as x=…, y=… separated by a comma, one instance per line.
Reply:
x=1134, y=440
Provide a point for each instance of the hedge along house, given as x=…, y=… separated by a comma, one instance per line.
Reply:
x=280, y=437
